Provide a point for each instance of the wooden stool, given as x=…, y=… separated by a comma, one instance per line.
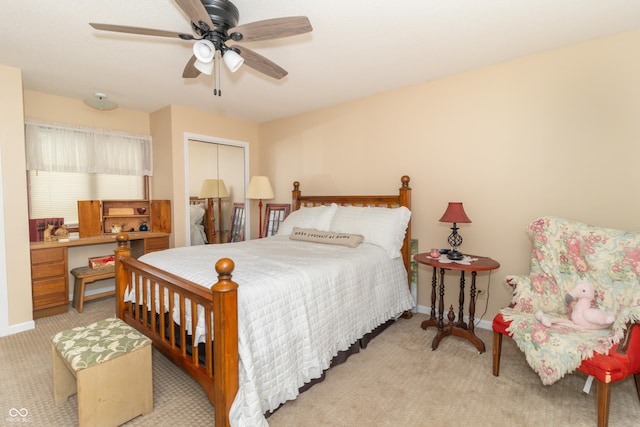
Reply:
x=86, y=275
x=108, y=363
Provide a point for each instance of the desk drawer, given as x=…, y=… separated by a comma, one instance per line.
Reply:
x=41, y=256
x=58, y=269
x=49, y=281
x=49, y=293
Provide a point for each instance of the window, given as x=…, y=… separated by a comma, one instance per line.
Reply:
x=55, y=194
x=66, y=164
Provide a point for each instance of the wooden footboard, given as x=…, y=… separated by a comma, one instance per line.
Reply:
x=213, y=363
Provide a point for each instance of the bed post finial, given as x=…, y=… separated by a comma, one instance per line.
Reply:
x=224, y=268
x=225, y=344
x=122, y=239
x=405, y=181
x=295, y=196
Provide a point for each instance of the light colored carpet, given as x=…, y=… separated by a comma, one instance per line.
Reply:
x=396, y=381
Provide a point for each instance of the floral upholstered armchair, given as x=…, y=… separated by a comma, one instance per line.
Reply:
x=565, y=252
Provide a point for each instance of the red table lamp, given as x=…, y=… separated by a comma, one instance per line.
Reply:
x=455, y=213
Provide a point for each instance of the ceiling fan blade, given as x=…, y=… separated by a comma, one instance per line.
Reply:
x=196, y=12
x=271, y=29
x=260, y=63
x=139, y=30
x=190, y=71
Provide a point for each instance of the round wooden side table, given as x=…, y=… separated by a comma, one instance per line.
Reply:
x=454, y=327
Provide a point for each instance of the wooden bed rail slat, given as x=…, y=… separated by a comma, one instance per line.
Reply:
x=172, y=330
x=182, y=331
x=194, y=321
x=208, y=314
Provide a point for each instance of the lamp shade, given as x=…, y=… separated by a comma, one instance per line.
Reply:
x=204, y=50
x=260, y=188
x=204, y=67
x=232, y=60
x=455, y=213
x=214, y=189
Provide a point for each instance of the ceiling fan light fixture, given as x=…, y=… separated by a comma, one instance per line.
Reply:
x=214, y=23
x=100, y=102
x=204, y=51
x=232, y=60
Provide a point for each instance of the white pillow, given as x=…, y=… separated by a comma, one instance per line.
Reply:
x=196, y=214
x=385, y=227
x=318, y=217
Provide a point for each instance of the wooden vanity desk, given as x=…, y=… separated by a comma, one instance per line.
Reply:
x=50, y=270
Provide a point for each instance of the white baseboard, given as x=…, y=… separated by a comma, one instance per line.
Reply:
x=25, y=326
x=482, y=324
x=21, y=327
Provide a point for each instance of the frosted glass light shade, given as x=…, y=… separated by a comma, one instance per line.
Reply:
x=204, y=50
x=100, y=102
x=204, y=67
x=232, y=60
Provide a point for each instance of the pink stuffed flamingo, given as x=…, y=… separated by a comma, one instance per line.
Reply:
x=583, y=316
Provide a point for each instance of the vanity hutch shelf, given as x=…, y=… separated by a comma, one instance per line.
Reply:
x=96, y=217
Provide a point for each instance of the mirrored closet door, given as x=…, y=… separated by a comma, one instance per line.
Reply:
x=216, y=181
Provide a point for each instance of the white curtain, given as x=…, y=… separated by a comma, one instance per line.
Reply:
x=64, y=148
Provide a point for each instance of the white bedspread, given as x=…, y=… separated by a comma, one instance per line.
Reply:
x=299, y=303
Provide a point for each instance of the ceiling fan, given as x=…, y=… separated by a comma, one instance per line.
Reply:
x=215, y=23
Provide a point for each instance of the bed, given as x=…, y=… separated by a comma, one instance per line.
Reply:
x=288, y=317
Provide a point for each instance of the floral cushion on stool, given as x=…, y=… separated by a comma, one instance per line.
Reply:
x=565, y=252
x=86, y=346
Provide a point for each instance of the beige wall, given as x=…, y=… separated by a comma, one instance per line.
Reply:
x=555, y=133
x=14, y=184
x=58, y=109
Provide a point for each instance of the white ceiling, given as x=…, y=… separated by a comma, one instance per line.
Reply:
x=357, y=48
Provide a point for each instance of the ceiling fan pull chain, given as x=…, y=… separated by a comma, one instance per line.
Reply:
x=216, y=73
x=215, y=77
x=218, y=59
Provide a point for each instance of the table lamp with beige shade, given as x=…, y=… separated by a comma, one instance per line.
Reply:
x=260, y=189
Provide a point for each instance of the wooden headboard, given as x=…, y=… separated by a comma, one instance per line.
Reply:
x=403, y=198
